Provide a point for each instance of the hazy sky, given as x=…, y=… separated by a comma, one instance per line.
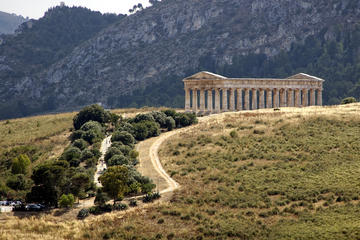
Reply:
x=37, y=8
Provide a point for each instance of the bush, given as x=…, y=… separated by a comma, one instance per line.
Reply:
x=124, y=137
x=72, y=153
x=92, y=132
x=170, y=123
x=151, y=197
x=112, y=151
x=76, y=135
x=86, y=154
x=20, y=164
x=118, y=160
x=160, y=118
x=127, y=127
x=80, y=143
x=185, y=119
x=125, y=149
x=66, y=201
x=348, y=100
x=90, y=113
x=170, y=113
x=17, y=182
x=133, y=203
x=143, y=117
x=83, y=213
x=146, y=129
x=120, y=207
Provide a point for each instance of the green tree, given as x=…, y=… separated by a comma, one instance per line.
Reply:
x=80, y=182
x=90, y=113
x=66, y=200
x=348, y=100
x=20, y=164
x=114, y=181
x=124, y=137
x=101, y=197
x=170, y=123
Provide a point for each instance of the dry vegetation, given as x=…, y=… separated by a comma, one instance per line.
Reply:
x=292, y=174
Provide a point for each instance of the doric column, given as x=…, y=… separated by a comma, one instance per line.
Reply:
x=187, y=99
x=210, y=101
x=224, y=100
x=268, y=98
x=202, y=100
x=276, y=98
x=217, y=100
x=261, y=99
x=282, y=98
x=290, y=97
x=297, y=97
x=232, y=99
x=319, y=97
x=254, y=99
x=312, y=97
x=195, y=102
x=305, y=98
x=247, y=99
x=239, y=99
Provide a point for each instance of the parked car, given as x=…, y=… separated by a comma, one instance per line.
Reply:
x=34, y=207
x=3, y=203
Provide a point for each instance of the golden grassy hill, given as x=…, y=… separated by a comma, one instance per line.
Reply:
x=292, y=174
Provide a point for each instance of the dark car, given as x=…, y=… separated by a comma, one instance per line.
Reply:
x=34, y=207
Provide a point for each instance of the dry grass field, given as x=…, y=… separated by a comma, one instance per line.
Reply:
x=291, y=174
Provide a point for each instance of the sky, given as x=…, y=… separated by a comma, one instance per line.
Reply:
x=36, y=8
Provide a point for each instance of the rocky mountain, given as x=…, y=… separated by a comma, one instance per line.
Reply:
x=10, y=22
x=141, y=59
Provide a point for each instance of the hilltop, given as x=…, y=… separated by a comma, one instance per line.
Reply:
x=140, y=59
x=247, y=175
x=10, y=22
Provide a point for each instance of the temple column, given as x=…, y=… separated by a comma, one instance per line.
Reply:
x=210, y=101
x=319, y=97
x=224, y=100
x=276, y=98
x=217, y=100
x=247, y=99
x=202, y=100
x=261, y=99
x=232, y=100
x=254, y=99
x=268, y=98
x=297, y=98
x=282, y=98
x=312, y=97
x=290, y=98
x=195, y=102
x=187, y=99
x=305, y=98
x=239, y=99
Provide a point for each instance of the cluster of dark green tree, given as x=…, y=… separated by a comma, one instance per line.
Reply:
x=71, y=176
x=335, y=59
x=15, y=167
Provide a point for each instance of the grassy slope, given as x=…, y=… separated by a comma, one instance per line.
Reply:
x=288, y=175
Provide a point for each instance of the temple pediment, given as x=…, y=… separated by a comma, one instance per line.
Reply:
x=304, y=76
x=205, y=75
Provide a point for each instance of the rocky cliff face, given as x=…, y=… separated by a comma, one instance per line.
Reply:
x=171, y=38
x=9, y=22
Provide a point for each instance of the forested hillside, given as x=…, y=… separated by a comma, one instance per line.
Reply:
x=141, y=59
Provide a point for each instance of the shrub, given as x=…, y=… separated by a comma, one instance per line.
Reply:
x=170, y=113
x=80, y=143
x=133, y=203
x=90, y=113
x=76, y=135
x=66, y=200
x=185, y=119
x=20, y=164
x=124, y=137
x=118, y=160
x=146, y=129
x=112, y=151
x=127, y=127
x=170, y=123
x=143, y=117
x=86, y=154
x=120, y=206
x=151, y=197
x=72, y=153
x=160, y=118
x=17, y=182
x=83, y=213
x=348, y=100
x=233, y=134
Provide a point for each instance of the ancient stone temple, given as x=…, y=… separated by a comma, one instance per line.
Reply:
x=207, y=92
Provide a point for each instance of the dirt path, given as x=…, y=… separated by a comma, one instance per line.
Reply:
x=101, y=165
